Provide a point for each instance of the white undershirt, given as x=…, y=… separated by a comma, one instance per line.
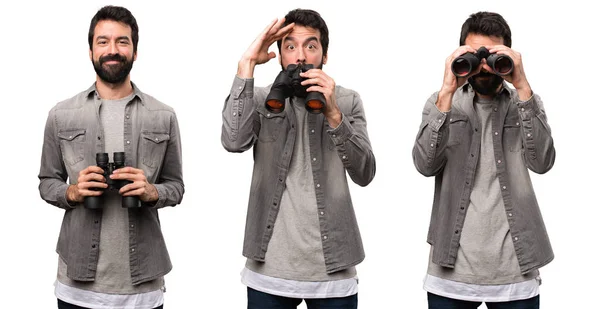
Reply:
x=482, y=293
x=299, y=289
x=95, y=300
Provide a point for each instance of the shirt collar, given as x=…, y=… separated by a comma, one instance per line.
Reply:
x=136, y=92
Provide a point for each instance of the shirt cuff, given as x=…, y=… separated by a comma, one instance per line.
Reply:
x=342, y=132
x=242, y=86
x=528, y=109
x=61, y=197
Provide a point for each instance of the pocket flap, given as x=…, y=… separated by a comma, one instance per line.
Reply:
x=155, y=137
x=70, y=134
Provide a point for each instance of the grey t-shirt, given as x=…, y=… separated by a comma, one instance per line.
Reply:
x=113, y=272
x=486, y=254
x=295, y=250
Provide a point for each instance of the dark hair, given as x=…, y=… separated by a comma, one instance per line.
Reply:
x=118, y=14
x=308, y=18
x=488, y=24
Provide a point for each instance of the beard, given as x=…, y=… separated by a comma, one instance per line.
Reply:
x=485, y=83
x=114, y=73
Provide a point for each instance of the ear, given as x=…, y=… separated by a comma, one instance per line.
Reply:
x=325, y=59
x=279, y=58
x=91, y=56
x=135, y=56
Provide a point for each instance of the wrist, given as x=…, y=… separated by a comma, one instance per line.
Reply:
x=246, y=68
x=444, y=100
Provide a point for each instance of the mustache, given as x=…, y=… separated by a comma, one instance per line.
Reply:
x=112, y=57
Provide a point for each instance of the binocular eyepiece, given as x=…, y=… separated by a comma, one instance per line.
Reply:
x=288, y=84
x=463, y=65
x=96, y=202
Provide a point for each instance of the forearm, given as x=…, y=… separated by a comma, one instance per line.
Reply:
x=237, y=133
x=354, y=149
x=539, y=153
x=429, y=148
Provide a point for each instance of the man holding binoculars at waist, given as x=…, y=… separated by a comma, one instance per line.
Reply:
x=479, y=137
x=121, y=152
x=302, y=239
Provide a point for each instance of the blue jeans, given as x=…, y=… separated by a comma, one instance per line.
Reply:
x=261, y=300
x=440, y=302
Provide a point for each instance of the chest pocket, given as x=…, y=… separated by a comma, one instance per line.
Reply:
x=457, y=129
x=154, y=145
x=72, y=145
x=512, y=133
x=271, y=126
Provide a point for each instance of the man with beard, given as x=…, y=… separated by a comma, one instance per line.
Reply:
x=111, y=257
x=302, y=240
x=478, y=137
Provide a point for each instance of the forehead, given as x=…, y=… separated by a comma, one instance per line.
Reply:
x=112, y=28
x=478, y=40
x=301, y=33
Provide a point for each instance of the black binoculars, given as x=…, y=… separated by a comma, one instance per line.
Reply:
x=464, y=64
x=96, y=202
x=287, y=84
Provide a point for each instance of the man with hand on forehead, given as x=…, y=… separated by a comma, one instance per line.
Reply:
x=480, y=138
x=302, y=240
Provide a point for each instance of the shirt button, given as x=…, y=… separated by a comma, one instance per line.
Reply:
x=70, y=136
x=268, y=115
x=522, y=109
x=344, y=157
x=93, y=246
x=132, y=249
x=516, y=238
x=450, y=119
x=439, y=120
x=503, y=187
x=499, y=161
x=528, y=134
x=510, y=214
x=156, y=139
x=234, y=113
x=495, y=109
x=240, y=87
x=333, y=135
x=312, y=131
x=517, y=123
x=318, y=185
x=325, y=237
x=132, y=225
x=99, y=137
x=127, y=116
x=495, y=133
x=456, y=232
x=128, y=142
x=431, y=145
x=314, y=159
x=322, y=213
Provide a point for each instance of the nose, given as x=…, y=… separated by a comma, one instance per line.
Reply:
x=112, y=48
x=301, y=56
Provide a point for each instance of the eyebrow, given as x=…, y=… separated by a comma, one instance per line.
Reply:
x=312, y=38
x=123, y=37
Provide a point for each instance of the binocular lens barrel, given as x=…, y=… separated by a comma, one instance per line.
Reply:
x=275, y=106
x=502, y=65
x=463, y=65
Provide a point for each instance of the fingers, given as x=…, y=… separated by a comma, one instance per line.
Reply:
x=128, y=173
x=134, y=188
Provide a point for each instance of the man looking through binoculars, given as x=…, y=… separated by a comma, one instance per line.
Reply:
x=479, y=137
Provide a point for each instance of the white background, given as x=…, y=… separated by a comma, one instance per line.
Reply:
x=392, y=55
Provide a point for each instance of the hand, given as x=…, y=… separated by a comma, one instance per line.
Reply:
x=451, y=82
x=324, y=84
x=89, y=178
x=139, y=187
x=517, y=78
x=258, y=52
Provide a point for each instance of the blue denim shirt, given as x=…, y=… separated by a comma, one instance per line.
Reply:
x=247, y=124
x=72, y=137
x=447, y=147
